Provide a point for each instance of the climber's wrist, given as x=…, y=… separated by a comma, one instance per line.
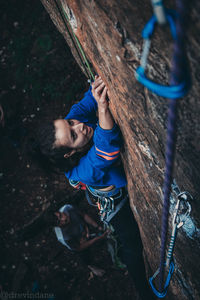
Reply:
x=105, y=119
x=103, y=109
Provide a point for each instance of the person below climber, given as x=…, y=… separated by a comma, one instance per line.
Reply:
x=87, y=149
x=72, y=228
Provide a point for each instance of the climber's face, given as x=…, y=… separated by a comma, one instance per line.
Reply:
x=72, y=134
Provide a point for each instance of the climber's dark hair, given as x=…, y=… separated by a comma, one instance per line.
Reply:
x=50, y=156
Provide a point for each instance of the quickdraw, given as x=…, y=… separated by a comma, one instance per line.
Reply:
x=105, y=206
x=179, y=85
x=177, y=222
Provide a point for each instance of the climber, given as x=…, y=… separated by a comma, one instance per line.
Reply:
x=72, y=228
x=89, y=154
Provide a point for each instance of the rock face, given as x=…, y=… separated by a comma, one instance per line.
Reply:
x=110, y=34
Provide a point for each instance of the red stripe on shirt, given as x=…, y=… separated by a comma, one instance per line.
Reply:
x=107, y=153
x=107, y=157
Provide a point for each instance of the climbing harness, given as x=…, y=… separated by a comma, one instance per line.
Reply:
x=177, y=222
x=78, y=185
x=179, y=85
x=108, y=205
x=173, y=91
x=108, y=209
x=75, y=42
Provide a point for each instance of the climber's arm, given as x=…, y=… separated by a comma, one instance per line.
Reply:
x=85, y=110
x=84, y=244
x=90, y=221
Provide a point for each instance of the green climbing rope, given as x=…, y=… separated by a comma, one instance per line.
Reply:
x=75, y=41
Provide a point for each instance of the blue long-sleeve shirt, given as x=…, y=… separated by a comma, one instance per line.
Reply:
x=101, y=165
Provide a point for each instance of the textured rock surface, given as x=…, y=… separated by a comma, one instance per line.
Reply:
x=110, y=33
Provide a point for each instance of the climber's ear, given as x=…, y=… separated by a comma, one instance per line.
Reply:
x=67, y=155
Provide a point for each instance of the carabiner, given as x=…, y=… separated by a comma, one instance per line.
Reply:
x=173, y=91
x=167, y=282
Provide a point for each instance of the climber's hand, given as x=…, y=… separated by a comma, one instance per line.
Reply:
x=99, y=92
